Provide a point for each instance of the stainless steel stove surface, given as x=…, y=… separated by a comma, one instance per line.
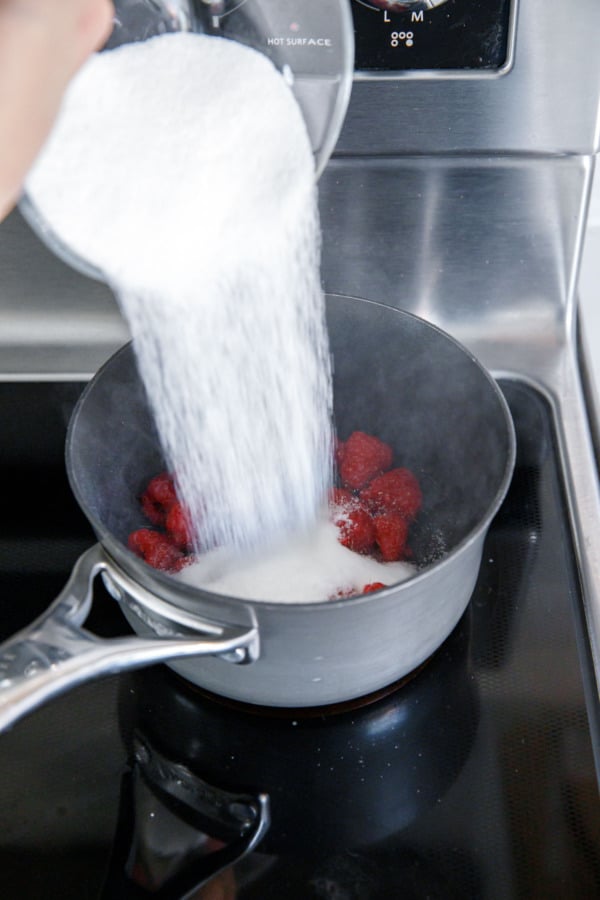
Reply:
x=458, y=191
x=474, y=778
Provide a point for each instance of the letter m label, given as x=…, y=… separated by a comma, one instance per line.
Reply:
x=417, y=16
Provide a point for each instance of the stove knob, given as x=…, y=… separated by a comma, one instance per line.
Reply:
x=400, y=6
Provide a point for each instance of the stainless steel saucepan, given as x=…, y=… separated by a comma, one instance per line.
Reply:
x=396, y=376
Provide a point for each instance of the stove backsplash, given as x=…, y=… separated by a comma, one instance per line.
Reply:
x=484, y=246
x=460, y=196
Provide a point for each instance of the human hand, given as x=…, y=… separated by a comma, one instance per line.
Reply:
x=42, y=45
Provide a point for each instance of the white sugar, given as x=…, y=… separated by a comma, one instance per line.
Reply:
x=182, y=169
x=309, y=569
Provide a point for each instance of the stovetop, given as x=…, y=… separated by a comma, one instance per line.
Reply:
x=474, y=778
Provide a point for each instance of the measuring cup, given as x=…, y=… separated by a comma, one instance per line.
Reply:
x=311, y=42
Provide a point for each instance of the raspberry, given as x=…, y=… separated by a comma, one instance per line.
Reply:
x=395, y=491
x=183, y=562
x=158, y=498
x=357, y=531
x=374, y=586
x=161, y=489
x=178, y=527
x=338, y=452
x=391, y=531
x=155, y=549
x=364, y=457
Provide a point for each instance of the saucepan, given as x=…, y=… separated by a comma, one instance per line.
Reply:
x=395, y=376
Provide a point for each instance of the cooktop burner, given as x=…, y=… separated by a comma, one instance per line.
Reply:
x=475, y=778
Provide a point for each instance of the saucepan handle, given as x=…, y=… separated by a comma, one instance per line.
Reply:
x=55, y=653
x=206, y=828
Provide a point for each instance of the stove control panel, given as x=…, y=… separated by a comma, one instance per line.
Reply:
x=403, y=5
x=404, y=35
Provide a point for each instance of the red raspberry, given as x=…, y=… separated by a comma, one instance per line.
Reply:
x=374, y=586
x=395, y=491
x=155, y=549
x=161, y=489
x=391, y=532
x=357, y=531
x=158, y=498
x=183, y=562
x=363, y=458
x=178, y=527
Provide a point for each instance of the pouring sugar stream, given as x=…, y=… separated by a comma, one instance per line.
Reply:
x=196, y=199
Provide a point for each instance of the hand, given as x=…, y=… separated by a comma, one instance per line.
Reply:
x=42, y=45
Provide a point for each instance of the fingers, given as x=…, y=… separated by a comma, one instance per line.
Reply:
x=93, y=28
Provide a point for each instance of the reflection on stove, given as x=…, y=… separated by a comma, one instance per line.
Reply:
x=340, y=783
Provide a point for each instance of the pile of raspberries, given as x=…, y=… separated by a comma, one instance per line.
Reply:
x=372, y=506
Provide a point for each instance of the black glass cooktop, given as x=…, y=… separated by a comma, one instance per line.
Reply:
x=473, y=779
